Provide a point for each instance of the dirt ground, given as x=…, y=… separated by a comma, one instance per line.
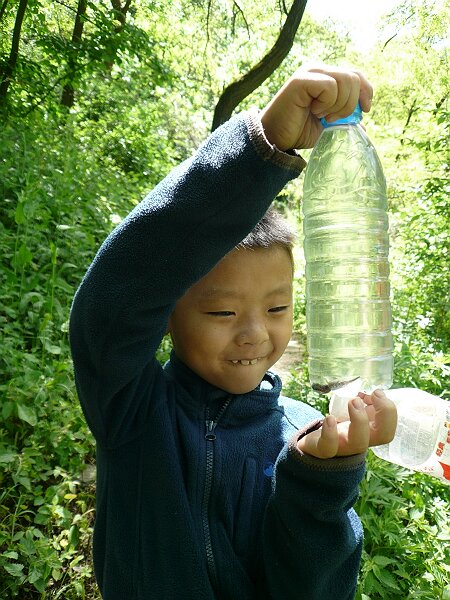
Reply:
x=292, y=357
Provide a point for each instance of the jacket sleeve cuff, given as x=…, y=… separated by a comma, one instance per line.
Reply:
x=267, y=151
x=339, y=463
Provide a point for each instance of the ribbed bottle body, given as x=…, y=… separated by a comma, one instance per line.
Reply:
x=346, y=245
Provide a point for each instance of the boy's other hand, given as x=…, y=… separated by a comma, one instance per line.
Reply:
x=373, y=421
x=292, y=117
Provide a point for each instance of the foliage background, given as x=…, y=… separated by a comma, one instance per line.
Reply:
x=145, y=85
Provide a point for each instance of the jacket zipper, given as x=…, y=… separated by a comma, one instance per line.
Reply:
x=210, y=437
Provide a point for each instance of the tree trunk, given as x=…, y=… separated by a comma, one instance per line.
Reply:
x=7, y=71
x=412, y=109
x=68, y=93
x=3, y=9
x=120, y=15
x=121, y=12
x=241, y=88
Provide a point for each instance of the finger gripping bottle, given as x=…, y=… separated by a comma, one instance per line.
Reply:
x=345, y=224
x=422, y=437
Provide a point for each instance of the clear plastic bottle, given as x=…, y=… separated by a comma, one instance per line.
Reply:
x=422, y=438
x=348, y=311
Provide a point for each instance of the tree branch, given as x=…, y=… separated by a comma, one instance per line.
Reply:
x=3, y=9
x=121, y=12
x=241, y=88
x=389, y=40
x=208, y=17
x=412, y=109
x=282, y=4
x=10, y=66
x=241, y=12
x=67, y=96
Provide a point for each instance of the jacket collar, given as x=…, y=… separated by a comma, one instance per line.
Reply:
x=196, y=393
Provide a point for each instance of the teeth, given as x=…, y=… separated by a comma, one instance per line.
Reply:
x=245, y=362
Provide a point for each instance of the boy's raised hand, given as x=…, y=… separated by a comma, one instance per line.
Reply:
x=373, y=421
x=292, y=117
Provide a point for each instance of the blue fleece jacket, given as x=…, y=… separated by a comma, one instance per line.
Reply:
x=201, y=495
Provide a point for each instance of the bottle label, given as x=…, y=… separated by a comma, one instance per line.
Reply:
x=438, y=464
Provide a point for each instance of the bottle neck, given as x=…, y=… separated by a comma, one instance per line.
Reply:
x=354, y=119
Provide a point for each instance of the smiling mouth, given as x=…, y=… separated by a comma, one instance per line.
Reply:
x=245, y=362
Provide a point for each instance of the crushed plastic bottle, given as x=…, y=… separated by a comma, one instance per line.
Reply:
x=422, y=438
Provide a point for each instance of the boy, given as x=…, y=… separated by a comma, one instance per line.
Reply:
x=210, y=485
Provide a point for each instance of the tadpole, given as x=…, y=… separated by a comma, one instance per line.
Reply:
x=331, y=386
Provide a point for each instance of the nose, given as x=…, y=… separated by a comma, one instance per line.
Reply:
x=252, y=331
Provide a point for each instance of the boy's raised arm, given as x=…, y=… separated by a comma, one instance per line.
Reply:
x=171, y=239
x=178, y=233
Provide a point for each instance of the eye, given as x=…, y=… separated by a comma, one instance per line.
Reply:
x=221, y=313
x=279, y=309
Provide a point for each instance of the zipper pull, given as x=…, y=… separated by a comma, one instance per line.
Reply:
x=210, y=435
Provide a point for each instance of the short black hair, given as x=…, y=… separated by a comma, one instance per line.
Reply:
x=272, y=230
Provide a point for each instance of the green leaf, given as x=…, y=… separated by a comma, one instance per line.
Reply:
x=54, y=252
x=7, y=457
x=19, y=215
x=76, y=561
x=40, y=584
x=35, y=574
x=14, y=569
x=382, y=561
x=42, y=519
x=23, y=256
x=416, y=513
x=25, y=481
x=74, y=536
x=387, y=579
x=27, y=414
x=13, y=555
x=52, y=348
x=27, y=544
x=7, y=410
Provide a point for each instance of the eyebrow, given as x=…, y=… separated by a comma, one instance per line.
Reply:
x=211, y=293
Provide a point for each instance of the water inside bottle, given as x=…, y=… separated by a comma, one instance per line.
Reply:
x=346, y=246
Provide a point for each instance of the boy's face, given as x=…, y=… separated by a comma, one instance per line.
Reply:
x=235, y=323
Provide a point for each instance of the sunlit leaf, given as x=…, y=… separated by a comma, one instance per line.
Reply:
x=26, y=413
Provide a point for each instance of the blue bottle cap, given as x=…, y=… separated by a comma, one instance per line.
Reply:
x=353, y=119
